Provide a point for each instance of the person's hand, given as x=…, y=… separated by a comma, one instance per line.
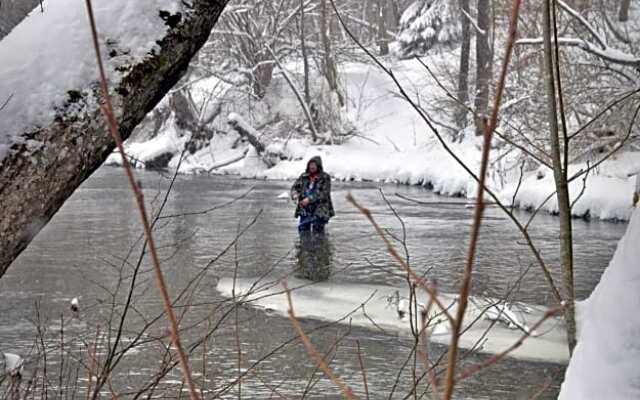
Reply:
x=305, y=202
x=295, y=196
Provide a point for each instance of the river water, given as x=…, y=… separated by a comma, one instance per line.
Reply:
x=81, y=251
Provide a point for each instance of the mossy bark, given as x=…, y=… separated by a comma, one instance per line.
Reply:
x=36, y=180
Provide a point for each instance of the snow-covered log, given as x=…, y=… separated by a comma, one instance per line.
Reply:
x=246, y=131
x=49, y=146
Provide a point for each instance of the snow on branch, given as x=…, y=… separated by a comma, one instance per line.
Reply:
x=575, y=14
x=600, y=49
x=608, y=53
x=245, y=130
x=473, y=23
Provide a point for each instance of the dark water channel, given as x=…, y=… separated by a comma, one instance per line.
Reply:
x=80, y=253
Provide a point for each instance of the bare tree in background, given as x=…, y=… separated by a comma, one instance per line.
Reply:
x=623, y=13
x=382, y=8
x=560, y=169
x=329, y=67
x=463, y=73
x=484, y=63
x=305, y=56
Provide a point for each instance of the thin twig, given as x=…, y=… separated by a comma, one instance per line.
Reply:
x=107, y=110
x=363, y=370
x=479, y=210
x=313, y=353
x=458, y=160
x=6, y=102
x=471, y=371
x=394, y=253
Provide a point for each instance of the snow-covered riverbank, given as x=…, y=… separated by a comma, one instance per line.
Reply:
x=398, y=147
x=604, y=363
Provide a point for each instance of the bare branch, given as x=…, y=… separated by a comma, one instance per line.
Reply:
x=6, y=102
x=479, y=209
x=108, y=112
x=414, y=277
x=575, y=14
x=609, y=54
x=313, y=353
x=471, y=371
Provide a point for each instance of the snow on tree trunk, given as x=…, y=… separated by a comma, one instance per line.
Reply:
x=67, y=139
x=604, y=364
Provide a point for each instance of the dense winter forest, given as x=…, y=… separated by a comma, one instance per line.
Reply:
x=483, y=158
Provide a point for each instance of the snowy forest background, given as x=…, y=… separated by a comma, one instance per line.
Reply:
x=403, y=92
x=293, y=89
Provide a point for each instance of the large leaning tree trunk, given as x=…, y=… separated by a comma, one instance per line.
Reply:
x=12, y=12
x=35, y=183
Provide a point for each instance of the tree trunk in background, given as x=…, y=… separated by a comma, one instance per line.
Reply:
x=484, y=64
x=34, y=183
x=463, y=74
x=395, y=16
x=305, y=58
x=381, y=16
x=560, y=177
x=262, y=76
x=328, y=63
x=364, y=31
x=582, y=5
x=623, y=13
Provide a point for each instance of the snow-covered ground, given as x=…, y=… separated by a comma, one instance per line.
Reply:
x=399, y=147
x=607, y=194
x=50, y=54
x=605, y=361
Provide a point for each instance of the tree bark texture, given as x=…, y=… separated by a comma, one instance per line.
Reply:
x=560, y=178
x=484, y=63
x=463, y=73
x=34, y=183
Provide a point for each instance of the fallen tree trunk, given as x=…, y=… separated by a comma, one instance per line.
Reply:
x=36, y=180
x=230, y=161
x=246, y=131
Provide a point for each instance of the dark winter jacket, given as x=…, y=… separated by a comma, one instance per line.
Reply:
x=320, y=198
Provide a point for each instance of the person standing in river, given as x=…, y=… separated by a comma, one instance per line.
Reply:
x=312, y=194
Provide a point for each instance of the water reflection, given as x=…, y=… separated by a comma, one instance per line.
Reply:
x=314, y=256
x=99, y=223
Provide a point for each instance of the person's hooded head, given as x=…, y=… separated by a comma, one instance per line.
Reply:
x=314, y=166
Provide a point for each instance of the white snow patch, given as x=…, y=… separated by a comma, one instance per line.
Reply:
x=143, y=152
x=329, y=301
x=605, y=361
x=608, y=193
x=51, y=53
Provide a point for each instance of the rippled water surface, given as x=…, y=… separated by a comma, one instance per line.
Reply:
x=81, y=251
